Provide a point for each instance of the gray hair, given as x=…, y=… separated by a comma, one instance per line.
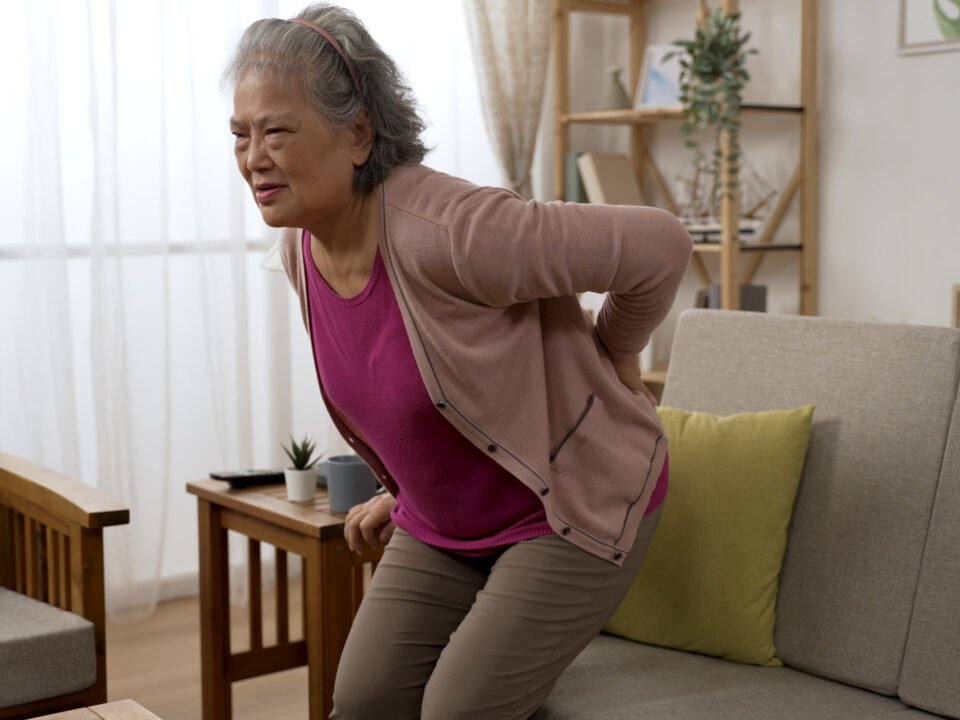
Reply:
x=295, y=52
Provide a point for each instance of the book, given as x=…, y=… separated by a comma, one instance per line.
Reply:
x=608, y=179
x=573, y=189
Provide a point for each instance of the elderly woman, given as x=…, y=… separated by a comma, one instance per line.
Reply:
x=522, y=455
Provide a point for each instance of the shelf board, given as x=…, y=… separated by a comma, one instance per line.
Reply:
x=630, y=116
x=615, y=7
x=657, y=376
x=761, y=108
x=747, y=246
x=627, y=116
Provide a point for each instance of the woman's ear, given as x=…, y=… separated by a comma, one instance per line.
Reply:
x=361, y=138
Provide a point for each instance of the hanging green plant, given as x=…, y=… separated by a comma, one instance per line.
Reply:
x=712, y=77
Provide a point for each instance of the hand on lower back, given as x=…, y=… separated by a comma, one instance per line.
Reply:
x=628, y=371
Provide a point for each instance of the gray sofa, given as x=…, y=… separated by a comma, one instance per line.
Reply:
x=868, y=611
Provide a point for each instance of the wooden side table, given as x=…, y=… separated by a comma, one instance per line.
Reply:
x=332, y=589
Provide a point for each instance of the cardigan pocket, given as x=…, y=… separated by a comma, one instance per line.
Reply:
x=574, y=439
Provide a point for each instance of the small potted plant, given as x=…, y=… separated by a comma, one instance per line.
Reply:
x=301, y=478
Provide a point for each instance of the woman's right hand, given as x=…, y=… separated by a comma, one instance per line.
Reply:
x=370, y=522
x=628, y=371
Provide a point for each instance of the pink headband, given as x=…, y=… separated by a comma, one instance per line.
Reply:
x=334, y=44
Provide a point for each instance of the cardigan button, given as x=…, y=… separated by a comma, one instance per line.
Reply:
x=491, y=448
x=441, y=405
x=545, y=492
x=565, y=531
x=618, y=556
x=351, y=440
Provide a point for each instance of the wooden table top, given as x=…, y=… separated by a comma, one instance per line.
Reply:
x=121, y=710
x=269, y=503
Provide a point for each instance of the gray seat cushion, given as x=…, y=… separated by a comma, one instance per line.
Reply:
x=931, y=664
x=616, y=679
x=884, y=396
x=44, y=651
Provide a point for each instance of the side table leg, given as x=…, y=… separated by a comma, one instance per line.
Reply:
x=329, y=612
x=214, y=615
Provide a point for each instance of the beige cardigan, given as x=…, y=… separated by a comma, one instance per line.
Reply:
x=487, y=284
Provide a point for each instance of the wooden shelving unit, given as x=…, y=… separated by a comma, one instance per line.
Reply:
x=801, y=185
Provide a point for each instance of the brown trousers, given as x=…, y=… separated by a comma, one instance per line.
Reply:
x=442, y=637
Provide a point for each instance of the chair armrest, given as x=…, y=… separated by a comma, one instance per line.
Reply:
x=51, y=549
x=68, y=499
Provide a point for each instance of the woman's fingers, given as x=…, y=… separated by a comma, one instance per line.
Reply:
x=351, y=533
x=628, y=370
x=649, y=393
x=351, y=526
x=370, y=528
x=376, y=519
x=386, y=532
x=367, y=522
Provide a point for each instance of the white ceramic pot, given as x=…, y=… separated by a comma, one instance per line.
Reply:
x=301, y=484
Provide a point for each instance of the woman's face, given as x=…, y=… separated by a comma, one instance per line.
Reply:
x=298, y=166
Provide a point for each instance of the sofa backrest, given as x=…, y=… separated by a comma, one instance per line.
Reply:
x=931, y=663
x=884, y=395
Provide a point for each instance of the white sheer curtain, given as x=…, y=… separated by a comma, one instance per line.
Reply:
x=139, y=351
x=511, y=44
x=140, y=344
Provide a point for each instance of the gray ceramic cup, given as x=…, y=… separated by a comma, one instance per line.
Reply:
x=349, y=482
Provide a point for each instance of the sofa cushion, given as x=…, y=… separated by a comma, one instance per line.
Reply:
x=931, y=664
x=884, y=395
x=615, y=679
x=709, y=580
x=44, y=651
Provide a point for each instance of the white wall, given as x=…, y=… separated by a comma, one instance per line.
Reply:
x=889, y=153
x=890, y=169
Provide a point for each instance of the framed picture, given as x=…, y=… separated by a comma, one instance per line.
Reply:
x=929, y=26
x=659, y=85
x=956, y=306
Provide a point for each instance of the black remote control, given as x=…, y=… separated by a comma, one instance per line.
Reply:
x=248, y=478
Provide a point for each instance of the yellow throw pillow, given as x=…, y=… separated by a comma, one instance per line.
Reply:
x=709, y=581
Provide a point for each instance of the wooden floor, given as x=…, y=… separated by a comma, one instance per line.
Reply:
x=156, y=662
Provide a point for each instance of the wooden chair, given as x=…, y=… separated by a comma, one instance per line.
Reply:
x=51, y=549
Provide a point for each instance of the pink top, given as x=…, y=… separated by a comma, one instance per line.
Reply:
x=450, y=494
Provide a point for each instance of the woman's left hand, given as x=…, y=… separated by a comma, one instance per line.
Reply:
x=628, y=371
x=370, y=522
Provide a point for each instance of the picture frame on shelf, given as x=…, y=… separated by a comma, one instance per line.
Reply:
x=929, y=26
x=659, y=84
